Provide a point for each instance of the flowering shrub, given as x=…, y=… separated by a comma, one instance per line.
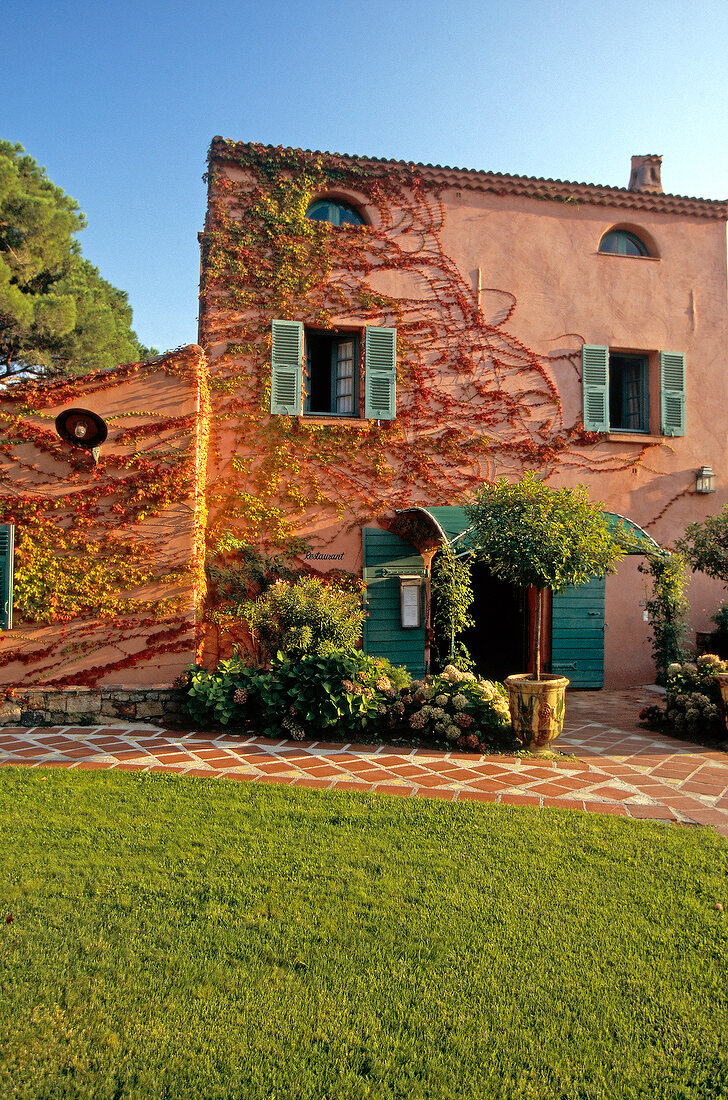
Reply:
x=457, y=708
x=305, y=616
x=351, y=694
x=220, y=697
x=692, y=698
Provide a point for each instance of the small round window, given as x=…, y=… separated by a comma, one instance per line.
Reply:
x=337, y=213
x=621, y=243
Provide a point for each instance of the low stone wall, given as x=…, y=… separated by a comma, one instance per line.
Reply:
x=101, y=706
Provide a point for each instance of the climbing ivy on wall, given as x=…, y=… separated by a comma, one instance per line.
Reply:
x=84, y=535
x=473, y=400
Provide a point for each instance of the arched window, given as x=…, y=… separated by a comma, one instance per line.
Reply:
x=621, y=242
x=335, y=212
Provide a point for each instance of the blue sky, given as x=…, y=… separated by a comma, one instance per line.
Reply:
x=119, y=101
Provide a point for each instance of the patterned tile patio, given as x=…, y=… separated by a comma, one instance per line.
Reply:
x=609, y=764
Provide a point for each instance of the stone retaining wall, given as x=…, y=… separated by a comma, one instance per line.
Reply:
x=82, y=706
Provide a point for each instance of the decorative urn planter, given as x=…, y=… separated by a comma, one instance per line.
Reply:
x=537, y=709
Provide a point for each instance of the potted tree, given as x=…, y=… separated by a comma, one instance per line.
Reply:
x=531, y=534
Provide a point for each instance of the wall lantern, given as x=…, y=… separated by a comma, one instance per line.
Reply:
x=705, y=480
x=82, y=428
x=410, y=601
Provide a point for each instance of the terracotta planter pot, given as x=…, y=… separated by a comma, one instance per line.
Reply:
x=722, y=678
x=537, y=709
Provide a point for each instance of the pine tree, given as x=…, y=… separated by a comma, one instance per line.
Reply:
x=57, y=315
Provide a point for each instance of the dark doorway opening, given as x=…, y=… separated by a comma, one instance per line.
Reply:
x=498, y=643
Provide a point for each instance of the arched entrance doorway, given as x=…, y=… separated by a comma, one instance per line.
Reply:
x=574, y=620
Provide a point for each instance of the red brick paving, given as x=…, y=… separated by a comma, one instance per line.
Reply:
x=609, y=764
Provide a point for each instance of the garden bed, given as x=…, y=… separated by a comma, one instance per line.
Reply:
x=347, y=696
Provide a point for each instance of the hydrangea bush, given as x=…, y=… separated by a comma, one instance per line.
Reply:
x=692, y=698
x=351, y=695
x=460, y=709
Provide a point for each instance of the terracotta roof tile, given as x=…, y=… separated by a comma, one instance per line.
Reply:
x=536, y=187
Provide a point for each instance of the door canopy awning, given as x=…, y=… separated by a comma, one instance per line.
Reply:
x=428, y=528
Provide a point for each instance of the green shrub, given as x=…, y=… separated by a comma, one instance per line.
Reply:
x=221, y=697
x=452, y=601
x=296, y=698
x=349, y=695
x=667, y=609
x=705, y=545
x=692, y=697
x=458, y=709
x=305, y=617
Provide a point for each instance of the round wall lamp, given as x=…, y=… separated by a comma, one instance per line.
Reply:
x=82, y=428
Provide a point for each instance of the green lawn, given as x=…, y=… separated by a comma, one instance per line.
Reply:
x=196, y=938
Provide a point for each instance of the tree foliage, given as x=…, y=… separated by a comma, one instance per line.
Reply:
x=57, y=314
x=667, y=609
x=452, y=601
x=531, y=534
x=705, y=546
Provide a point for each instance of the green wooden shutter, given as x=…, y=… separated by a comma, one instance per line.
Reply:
x=386, y=558
x=380, y=377
x=577, y=634
x=7, y=545
x=595, y=387
x=286, y=367
x=672, y=391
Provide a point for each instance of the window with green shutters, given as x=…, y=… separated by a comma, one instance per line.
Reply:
x=7, y=545
x=672, y=389
x=286, y=368
x=380, y=374
x=616, y=391
x=317, y=372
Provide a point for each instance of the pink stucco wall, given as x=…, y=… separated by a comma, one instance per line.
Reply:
x=152, y=640
x=532, y=265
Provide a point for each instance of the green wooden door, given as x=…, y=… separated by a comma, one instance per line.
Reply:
x=577, y=634
x=386, y=559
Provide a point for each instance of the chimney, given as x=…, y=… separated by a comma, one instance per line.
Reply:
x=645, y=174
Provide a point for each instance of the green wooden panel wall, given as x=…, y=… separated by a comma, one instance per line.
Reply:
x=7, y=533
x=386, y=558
x=577, y=634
